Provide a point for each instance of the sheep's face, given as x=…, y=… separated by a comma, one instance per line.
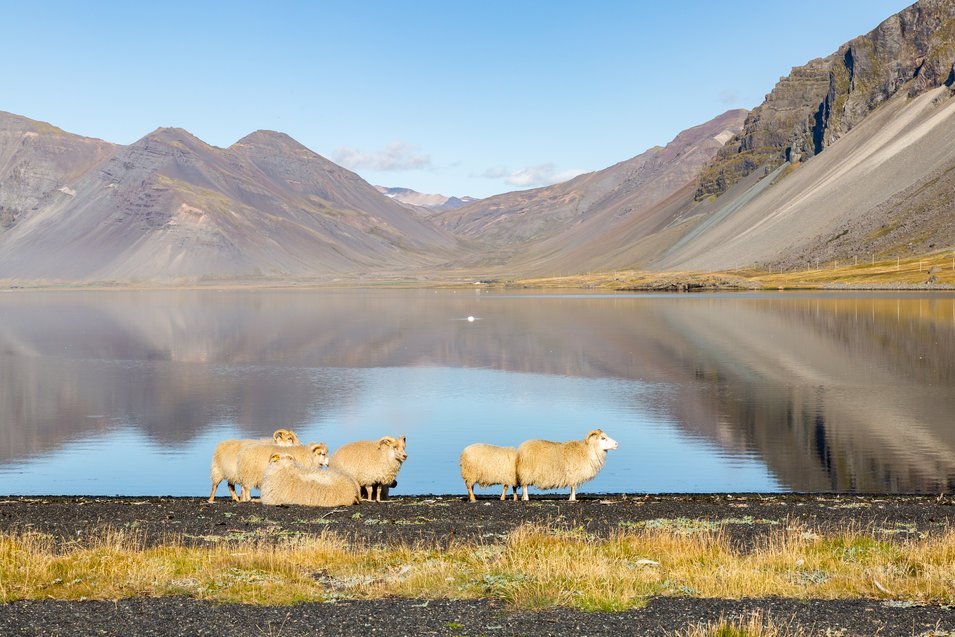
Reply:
x=395, y=447
x=601, y=440
x=319, y=454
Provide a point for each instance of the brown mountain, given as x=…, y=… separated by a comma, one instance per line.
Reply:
x=171, y=208
x=550, y=229
x=36, y=161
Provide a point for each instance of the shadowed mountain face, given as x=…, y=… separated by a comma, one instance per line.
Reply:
x=170, y=207
x=37, y=161
x=831, y=392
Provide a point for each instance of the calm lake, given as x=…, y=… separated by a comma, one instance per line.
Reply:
x=128, y=393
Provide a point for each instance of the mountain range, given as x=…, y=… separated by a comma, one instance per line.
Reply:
x=850, y=155
x=422, y=200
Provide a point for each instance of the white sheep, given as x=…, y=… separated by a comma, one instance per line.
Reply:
x=226, y=457
x=551, y=465
x=253, y=460
x=289, y=482
x=489, y=464
x=373, y=463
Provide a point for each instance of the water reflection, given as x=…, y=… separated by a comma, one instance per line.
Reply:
x=823, y=391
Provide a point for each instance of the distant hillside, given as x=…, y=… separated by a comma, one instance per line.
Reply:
x=421, y=200
x=171, y=208
x=545, y=227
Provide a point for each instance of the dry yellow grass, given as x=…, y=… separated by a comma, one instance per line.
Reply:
x=909, y=271
x=535, y=568
x=756, y=625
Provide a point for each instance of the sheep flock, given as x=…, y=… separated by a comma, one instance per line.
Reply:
x=286, y=471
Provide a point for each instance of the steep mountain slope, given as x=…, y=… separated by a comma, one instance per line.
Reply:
x=912, y=51
x=851, y=156
x=541, y=228
x=422, y=200
x=170, y=207
x=885, y=189
x=36, y=160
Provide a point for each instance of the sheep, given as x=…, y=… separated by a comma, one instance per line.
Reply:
x=253, y=459
x=489, y=464
x=551, y=465
x=226, y=456
x=373, y=463
x=289, y=482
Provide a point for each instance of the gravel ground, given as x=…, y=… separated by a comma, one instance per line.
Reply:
x=662, y=616
x=439, y=520
x=442, y=519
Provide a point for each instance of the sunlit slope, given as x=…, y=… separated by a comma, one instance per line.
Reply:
x=564, y=225
x=844, y=202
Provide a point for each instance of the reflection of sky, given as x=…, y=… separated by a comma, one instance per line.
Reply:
x=441, y=410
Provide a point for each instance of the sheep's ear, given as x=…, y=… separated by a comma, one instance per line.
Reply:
x=274, y=458
x=402, y=440
x=279, y=435
x=384, y=440
x=318, y=448
x=596, y=433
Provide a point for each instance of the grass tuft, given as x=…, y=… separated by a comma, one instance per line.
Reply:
x=535, y=567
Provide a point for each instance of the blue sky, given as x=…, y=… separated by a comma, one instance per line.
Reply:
x=462, y=98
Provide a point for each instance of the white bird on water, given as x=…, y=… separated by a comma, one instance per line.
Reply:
x=471, y=319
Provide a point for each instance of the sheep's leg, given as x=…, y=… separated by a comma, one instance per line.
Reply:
x=504, y=493
x=573, y=493
x=235, y=498
x=470, y=488
x=377, y=489
x=212, y=496
x=514, y=489
x=366, y=490
x=524, y=493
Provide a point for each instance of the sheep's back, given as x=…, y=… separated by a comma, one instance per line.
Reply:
x=550, y=465
x=365, y=462
x=485, y=464
x=254, y=459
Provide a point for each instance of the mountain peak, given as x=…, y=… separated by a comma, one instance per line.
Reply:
x=269, y=138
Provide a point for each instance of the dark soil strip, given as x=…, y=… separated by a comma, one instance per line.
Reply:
x=441, y=520
x=180, y=616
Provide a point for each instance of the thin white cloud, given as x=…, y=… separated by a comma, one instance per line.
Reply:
x=541, y=175
x=729, y=97
x=393, y=157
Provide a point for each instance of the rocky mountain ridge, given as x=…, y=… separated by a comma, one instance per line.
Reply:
x=818, y=103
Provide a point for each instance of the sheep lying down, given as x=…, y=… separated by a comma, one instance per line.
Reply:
x=553, y=465
x=225, y=458
x=254, y=459
x=287, y=481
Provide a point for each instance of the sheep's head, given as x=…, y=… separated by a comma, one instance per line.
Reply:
x=319, y=451
x=600, y=440
x=393, y=446
x=280, y=460
x=285, y=438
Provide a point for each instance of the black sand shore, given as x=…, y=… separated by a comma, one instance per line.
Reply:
x=440, y=520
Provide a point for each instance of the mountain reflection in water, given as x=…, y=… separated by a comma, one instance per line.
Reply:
x=825, y=392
